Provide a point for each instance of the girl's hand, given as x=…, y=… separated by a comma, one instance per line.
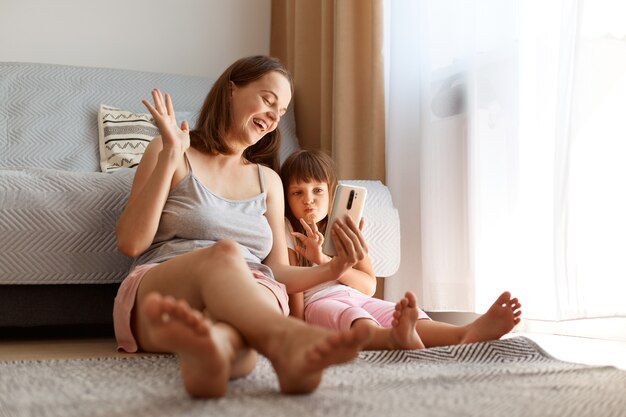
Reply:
x=312, y=243
x=174, y=138
x=349, y=243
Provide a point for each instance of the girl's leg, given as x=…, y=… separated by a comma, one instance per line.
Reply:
x=351, y=309
x=388, y=338
x=217, y=281
x=403, y=317
x=436, y=333
x=500, y=319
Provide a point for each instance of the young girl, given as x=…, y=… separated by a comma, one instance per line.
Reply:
x=309, y=181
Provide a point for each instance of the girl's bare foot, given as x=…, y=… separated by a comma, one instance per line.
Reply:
x=204, y=350
x=500, y=319
x=403, y=332
x=301, y=354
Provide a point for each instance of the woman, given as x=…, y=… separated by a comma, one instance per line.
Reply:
x=205, y=219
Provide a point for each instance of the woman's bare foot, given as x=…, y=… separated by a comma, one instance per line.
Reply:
x=303, y=352
x=500, y=319
x=205, y=351
x=403, y=332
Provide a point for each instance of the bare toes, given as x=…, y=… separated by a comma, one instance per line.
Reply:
x=411, y=299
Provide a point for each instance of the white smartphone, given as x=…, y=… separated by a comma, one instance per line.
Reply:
x=349, y=201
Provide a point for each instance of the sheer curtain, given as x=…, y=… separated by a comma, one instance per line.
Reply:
x=506, y=115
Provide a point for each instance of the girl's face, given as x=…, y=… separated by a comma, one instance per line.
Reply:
x=308, y=200
x=258, y=106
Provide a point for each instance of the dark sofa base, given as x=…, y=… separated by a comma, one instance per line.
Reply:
x=51, y=310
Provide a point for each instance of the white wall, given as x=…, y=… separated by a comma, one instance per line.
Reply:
x=193, y=37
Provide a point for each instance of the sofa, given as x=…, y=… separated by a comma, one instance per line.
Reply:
x=63, y=186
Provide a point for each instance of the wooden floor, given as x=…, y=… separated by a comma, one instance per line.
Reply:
x=572, y=349
x=58, y=349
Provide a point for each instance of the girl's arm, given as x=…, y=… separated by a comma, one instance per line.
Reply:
x=361, y=277
x=298, y=279
x=296, y=300
x=160, y=164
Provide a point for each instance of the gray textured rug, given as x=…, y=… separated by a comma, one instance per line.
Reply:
x=511, y=377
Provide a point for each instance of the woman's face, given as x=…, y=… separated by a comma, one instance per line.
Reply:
x=308, y=200
x=258, y=106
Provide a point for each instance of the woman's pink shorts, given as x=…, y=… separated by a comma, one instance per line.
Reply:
x=127, y=294
x=339, y=309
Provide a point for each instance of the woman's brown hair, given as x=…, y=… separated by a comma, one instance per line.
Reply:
x=307, y=166
x=214, y=119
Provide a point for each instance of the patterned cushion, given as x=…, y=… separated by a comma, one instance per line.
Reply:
x=123, y=137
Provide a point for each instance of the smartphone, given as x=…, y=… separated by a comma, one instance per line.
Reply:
x=349, y=201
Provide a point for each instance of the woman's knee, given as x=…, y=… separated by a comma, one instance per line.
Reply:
x=227, y=247
x=223, y=250
x=223, y=254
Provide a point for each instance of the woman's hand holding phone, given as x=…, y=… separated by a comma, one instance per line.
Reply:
x=349, y=244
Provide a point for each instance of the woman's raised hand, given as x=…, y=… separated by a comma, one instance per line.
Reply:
x=349, y=244
x=312, y=242
x=174, y=137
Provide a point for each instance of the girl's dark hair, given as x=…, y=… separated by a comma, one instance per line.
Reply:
x=215, y=120
x=307, y=166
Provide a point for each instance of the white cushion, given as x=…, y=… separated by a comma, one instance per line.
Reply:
x=123, y=137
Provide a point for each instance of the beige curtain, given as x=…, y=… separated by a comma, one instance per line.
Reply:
x=333, y=49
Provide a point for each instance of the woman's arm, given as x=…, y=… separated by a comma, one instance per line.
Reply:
x=360, y=277
x=138, y=223
x=161, y=162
